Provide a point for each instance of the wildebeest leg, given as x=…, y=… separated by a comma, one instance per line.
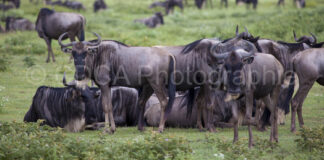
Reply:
x=235, y=121
x=49, y=49
x=146, y=93
x=200, y=104
x=107, y=108
x=274, y=100
x=161, y=94
x=249, y=106
x=297, y=102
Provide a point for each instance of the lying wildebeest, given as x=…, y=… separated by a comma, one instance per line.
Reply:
x=73, y=5
x=14, y=24
x=99, y=5
x=169, y=5
x=152, y=22
x=284, y=53
x=248, y=3
x=50, y=25
x=197, y=67
x=256, y=76
x=111, y=63
x=222, y=111
x=63, y=107
x=4, y=7
x=15, y=2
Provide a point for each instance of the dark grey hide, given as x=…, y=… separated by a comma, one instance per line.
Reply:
x=15, y=24
x=99, y=5
x=111, y=63
x=169, y=5
x=62, y=107
x=152, y=22
x=254, y=76
x=197, y=67
x=50, y=25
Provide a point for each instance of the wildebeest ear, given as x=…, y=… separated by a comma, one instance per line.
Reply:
x=97, y=94
x=66, y=50
x=93, y=50
x=248, y=60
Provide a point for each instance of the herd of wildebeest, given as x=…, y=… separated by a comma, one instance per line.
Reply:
x=206, y=84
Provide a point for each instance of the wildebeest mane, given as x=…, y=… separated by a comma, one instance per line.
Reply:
x=189, y=47
x=292, y=46
x=118, y=42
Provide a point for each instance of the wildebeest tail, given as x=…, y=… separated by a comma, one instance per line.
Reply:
x=30, y=116
x=265, y=118
x=171, y=86
x=287, y=94
x=191, y=98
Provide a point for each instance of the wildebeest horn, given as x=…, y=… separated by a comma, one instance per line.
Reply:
x=60, y=41
x=95, y=43
x=247, y=32
x=70, y=84
x=237, y=30
x=244, y=53
x=295, y=36
x=315, y=39
x=221, y=56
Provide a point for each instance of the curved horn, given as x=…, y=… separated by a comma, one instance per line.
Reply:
x=60, y=41
x=244, y=53
x=70, y=84
x=95, y=43
x=237, y=30
x=295, y=36
x=221, y=56
x=315, y=39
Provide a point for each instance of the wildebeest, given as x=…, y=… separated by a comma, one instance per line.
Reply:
x=196, y=67
x=15, y=2
x=256, y=76
x=169, y=5
x=50, y=25
x=6, y=7
x=200, y=3
x=73, y=5
x=111, y=63
x=99, y=5
x=152, y=22
x=63, y=107
x=284, y=53
x=248, y=3
x=22, y=24
x=308, y=65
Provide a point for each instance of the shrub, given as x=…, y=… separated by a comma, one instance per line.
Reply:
x=311, y=139
x=29, y=62
x=4, y=62
x=33, y=141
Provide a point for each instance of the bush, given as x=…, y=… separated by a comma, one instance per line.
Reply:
x=32, y=141
x=29, y=62
x=311, y=139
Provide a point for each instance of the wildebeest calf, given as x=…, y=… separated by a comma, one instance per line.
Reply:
x=169, y=5
x=152, y=22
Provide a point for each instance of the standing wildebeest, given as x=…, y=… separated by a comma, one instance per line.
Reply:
x=284, y=53
x=200, y=3
x=1, y=29
x=111, y=63
x=63, y=107
x=50, y=25
x=248, y=3
x=169, y=5
x=98, y=5
x=14, y=24
x=152, y=22
x=196, y=67
x=256, y=76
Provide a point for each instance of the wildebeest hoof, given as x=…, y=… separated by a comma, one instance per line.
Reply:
x=47, y=61
x=261, y=129
x=202, y=130
x=282, y=124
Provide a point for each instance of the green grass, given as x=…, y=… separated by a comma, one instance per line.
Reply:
x=20, y=81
